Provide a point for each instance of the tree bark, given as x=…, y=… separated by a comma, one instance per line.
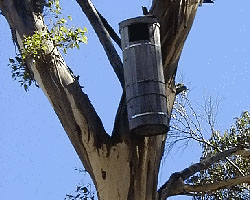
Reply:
x=212, y=187
x=123, y=166
x=175, y=185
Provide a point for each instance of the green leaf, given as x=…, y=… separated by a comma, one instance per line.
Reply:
x=64, y=29
x=77, y=46
x=19, y=59
x=70, y=18
x=11, y=60
x=65, y=51
x=44, y=48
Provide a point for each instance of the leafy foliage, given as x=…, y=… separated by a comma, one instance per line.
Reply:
x=54, y=6
x=21, y=72
x=60, y=35
x=82, y=193
x=66, y=38
x=238, y=135
x=37, y=45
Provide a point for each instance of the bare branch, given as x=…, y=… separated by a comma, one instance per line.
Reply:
x=244, y=152
x=104, y=37
x=173, y=187
x=204, y=164
x=188, y=123
x=211, y=108
x=217, y=185
x=110, y=30
x=219, y=150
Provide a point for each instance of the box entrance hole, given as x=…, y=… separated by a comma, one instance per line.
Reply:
x=138, y=32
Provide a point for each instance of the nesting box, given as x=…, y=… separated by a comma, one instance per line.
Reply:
x=143, y=73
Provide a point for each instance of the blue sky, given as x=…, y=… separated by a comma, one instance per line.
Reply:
x=37, y=160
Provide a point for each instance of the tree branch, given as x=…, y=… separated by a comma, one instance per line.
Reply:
x=204, y=164
x=217, y=185
x=193, y=127
x=104, y=37
x=72, y=106
x=173, y=187
x=176, y=19
x=110, y=30
x=244, y=152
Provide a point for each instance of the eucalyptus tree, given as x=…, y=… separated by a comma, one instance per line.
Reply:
x=121, y=165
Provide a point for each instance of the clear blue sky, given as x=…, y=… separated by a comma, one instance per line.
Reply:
x=37, y=160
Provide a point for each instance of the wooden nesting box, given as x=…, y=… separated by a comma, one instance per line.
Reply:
x=143, y=73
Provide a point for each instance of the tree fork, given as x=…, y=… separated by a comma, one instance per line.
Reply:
x=124, y=166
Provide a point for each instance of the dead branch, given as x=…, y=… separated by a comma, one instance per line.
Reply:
x=188, y=122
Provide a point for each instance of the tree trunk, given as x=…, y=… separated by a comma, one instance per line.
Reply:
x=122, y=166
